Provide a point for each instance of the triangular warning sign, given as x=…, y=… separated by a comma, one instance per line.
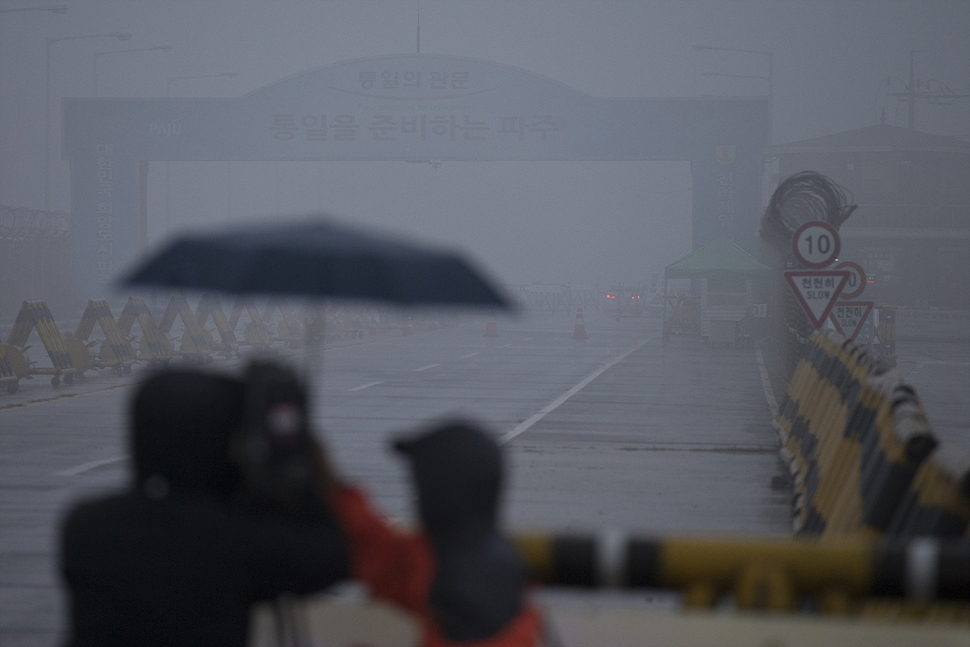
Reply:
x=817, y=291
x=850, y=316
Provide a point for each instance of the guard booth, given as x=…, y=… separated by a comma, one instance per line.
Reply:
x=725, y=273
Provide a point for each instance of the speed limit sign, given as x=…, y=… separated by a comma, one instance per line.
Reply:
x=857, y=280
x=816, y=244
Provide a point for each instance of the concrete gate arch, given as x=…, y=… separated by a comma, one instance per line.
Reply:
x=407, y=108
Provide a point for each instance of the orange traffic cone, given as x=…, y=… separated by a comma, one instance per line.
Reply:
x=491, y=326
x=579, y=330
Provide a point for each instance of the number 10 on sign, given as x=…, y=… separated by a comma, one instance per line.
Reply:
x=816, y=244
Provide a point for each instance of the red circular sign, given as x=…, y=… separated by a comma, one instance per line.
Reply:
x=816, y=244
x=856, y=282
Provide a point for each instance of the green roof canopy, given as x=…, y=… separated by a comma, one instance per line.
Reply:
x=719, y=256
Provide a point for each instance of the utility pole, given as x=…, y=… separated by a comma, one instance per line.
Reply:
x=911, y=92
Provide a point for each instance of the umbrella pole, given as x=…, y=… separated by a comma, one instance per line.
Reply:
x=313, y=362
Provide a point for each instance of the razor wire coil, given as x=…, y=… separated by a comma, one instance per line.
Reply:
x=19, y=223
x=804, y=197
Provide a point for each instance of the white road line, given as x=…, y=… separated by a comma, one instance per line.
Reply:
x=84, y=467
x=425, y=368
x=504, y=346
x=366, y=386
x=765, y=382
x=552, y=406
x=469, y=355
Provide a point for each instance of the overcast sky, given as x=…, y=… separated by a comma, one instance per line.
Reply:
x=553, y=222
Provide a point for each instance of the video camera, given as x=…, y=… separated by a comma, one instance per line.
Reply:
x=275, y=448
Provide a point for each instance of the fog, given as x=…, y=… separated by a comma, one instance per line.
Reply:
x=834, y=65
x=612, y=419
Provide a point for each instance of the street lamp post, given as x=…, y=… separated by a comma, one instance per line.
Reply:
x=168, y=182
x=770, y=56
x=120, y=35
x=59, y=8
x=97, y=55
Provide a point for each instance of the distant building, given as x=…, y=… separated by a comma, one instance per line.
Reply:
x=911, y=231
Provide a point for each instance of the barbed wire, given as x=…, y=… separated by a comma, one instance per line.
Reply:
x=20, y=223
x=800, y=198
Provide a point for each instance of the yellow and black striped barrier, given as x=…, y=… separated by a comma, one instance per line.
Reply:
x=116, y=351
x=153, y=346
x=937, y=502
x=860, y=450
x=835, y=576
x=36, y=314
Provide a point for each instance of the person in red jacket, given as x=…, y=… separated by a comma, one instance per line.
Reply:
x=460, y=576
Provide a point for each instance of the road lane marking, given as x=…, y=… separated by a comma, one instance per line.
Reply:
x=504, y=346
x=425, y=368
x=366, y=386
x=552, y=406
x=84, y=467
x=765, y=382
x=62, y=396
x=469, y=355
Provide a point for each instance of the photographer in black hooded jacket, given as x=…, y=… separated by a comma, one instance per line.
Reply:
x=176, y=559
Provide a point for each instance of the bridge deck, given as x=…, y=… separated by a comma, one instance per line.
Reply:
x=616, y=430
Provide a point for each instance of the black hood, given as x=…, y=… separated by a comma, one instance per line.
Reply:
x=477, y=588
x=182, y=423
x=457, y=468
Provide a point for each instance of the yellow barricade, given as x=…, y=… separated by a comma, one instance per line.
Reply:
x=153, y=347
x=36, y=314
x=256, y=332
x=208, y=306
x=196, y=341
x=12, y=368
x=289, y=329
x=116, y=351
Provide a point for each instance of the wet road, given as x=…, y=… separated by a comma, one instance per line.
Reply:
x=616, y=430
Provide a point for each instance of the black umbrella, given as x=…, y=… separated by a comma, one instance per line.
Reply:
x=316, y=257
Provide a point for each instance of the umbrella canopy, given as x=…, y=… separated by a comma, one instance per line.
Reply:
x=316, y=257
